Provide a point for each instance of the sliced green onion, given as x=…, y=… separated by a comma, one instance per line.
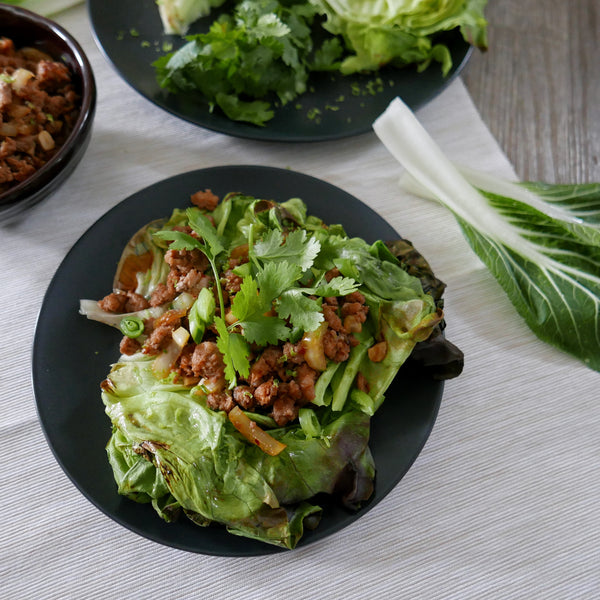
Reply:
x=322, y=385
x=201, y=314
x=309, y=422
x=363, y=401
x=352, y=365
x=131, y=326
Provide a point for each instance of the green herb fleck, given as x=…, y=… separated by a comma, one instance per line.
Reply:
x=314, y=114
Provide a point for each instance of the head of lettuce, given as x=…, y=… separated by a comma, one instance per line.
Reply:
x=401, y=32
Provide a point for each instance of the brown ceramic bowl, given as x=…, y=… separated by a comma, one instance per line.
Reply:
x=26, y=28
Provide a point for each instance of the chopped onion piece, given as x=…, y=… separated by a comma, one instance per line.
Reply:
x=183, y=302
x=46, y=140
x=20, y=79
x=253, y=433
x=313, y=346
x=163, y=363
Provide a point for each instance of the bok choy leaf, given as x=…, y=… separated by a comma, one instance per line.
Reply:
x=540, y=241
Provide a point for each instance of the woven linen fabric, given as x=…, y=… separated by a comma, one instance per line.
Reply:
x=501, y=503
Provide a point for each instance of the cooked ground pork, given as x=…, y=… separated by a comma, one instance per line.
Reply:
x=123, y=302
x=39, y=105
x=280, y=380
x=205, y=199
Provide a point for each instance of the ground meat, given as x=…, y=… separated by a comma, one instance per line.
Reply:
x=163, y=293
x=205, y=199
x=7, y=147
x=39, y=106
x=268, y=362
x=285, y=410
x=52, y=74
x=306, y=378
x=158, y=340
x=184, y=365
x=183, y=261
x=336, y=345
x=207, y=361
x=129, y=346
x=231, y=281
x=162, y=331
x=293, y=354
x=243, y=396
x=335, y=272
x=266, y=392
x=123, y=302
x=136, y=302
x=290, y=389
x=5, y=94
x=355, y=297
x=332, y=318
x=359, y=309
x=186, y=274
x=192, y=282
x=220, y=401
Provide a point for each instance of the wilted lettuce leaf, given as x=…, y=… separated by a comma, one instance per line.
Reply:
x=169, y=448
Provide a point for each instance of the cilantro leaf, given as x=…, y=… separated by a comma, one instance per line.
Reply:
x=247, y=302
x=249, y=306
x=338, y=286
x=206, y=230
x=246, y=60
x=297, y=248
x=303, y=312
x=263, y=330
x=235, y=351
x=179, y=240
x=276, y=277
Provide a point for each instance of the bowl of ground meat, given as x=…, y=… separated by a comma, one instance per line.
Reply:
x=47, y=107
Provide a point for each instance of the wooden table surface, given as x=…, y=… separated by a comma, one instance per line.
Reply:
x=538, y=86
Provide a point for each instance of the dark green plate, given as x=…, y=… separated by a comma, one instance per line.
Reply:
x=72, y=355
x=130, y=34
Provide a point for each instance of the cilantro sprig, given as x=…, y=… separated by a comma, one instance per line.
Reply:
x=273, y=299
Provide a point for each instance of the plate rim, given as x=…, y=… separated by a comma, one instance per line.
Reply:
x=244, y=130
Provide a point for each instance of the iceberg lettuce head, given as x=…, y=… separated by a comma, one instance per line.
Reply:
x=401, y=32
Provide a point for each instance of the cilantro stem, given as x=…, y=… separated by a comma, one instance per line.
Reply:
x=218, y=284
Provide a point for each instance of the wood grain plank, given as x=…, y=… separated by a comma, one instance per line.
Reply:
x=538, y=86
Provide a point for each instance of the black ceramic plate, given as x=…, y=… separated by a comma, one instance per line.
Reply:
x=131, y=36
x=72, y=354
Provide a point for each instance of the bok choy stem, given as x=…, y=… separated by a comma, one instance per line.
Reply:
x=540, y=241
x=414, y=148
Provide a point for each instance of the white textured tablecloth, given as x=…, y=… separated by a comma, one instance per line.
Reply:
x=502, y=503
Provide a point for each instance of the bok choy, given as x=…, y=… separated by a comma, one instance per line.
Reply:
x=540, y=241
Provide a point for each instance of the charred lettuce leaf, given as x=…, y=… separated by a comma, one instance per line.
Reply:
x=434, y=357
x=169, y=449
